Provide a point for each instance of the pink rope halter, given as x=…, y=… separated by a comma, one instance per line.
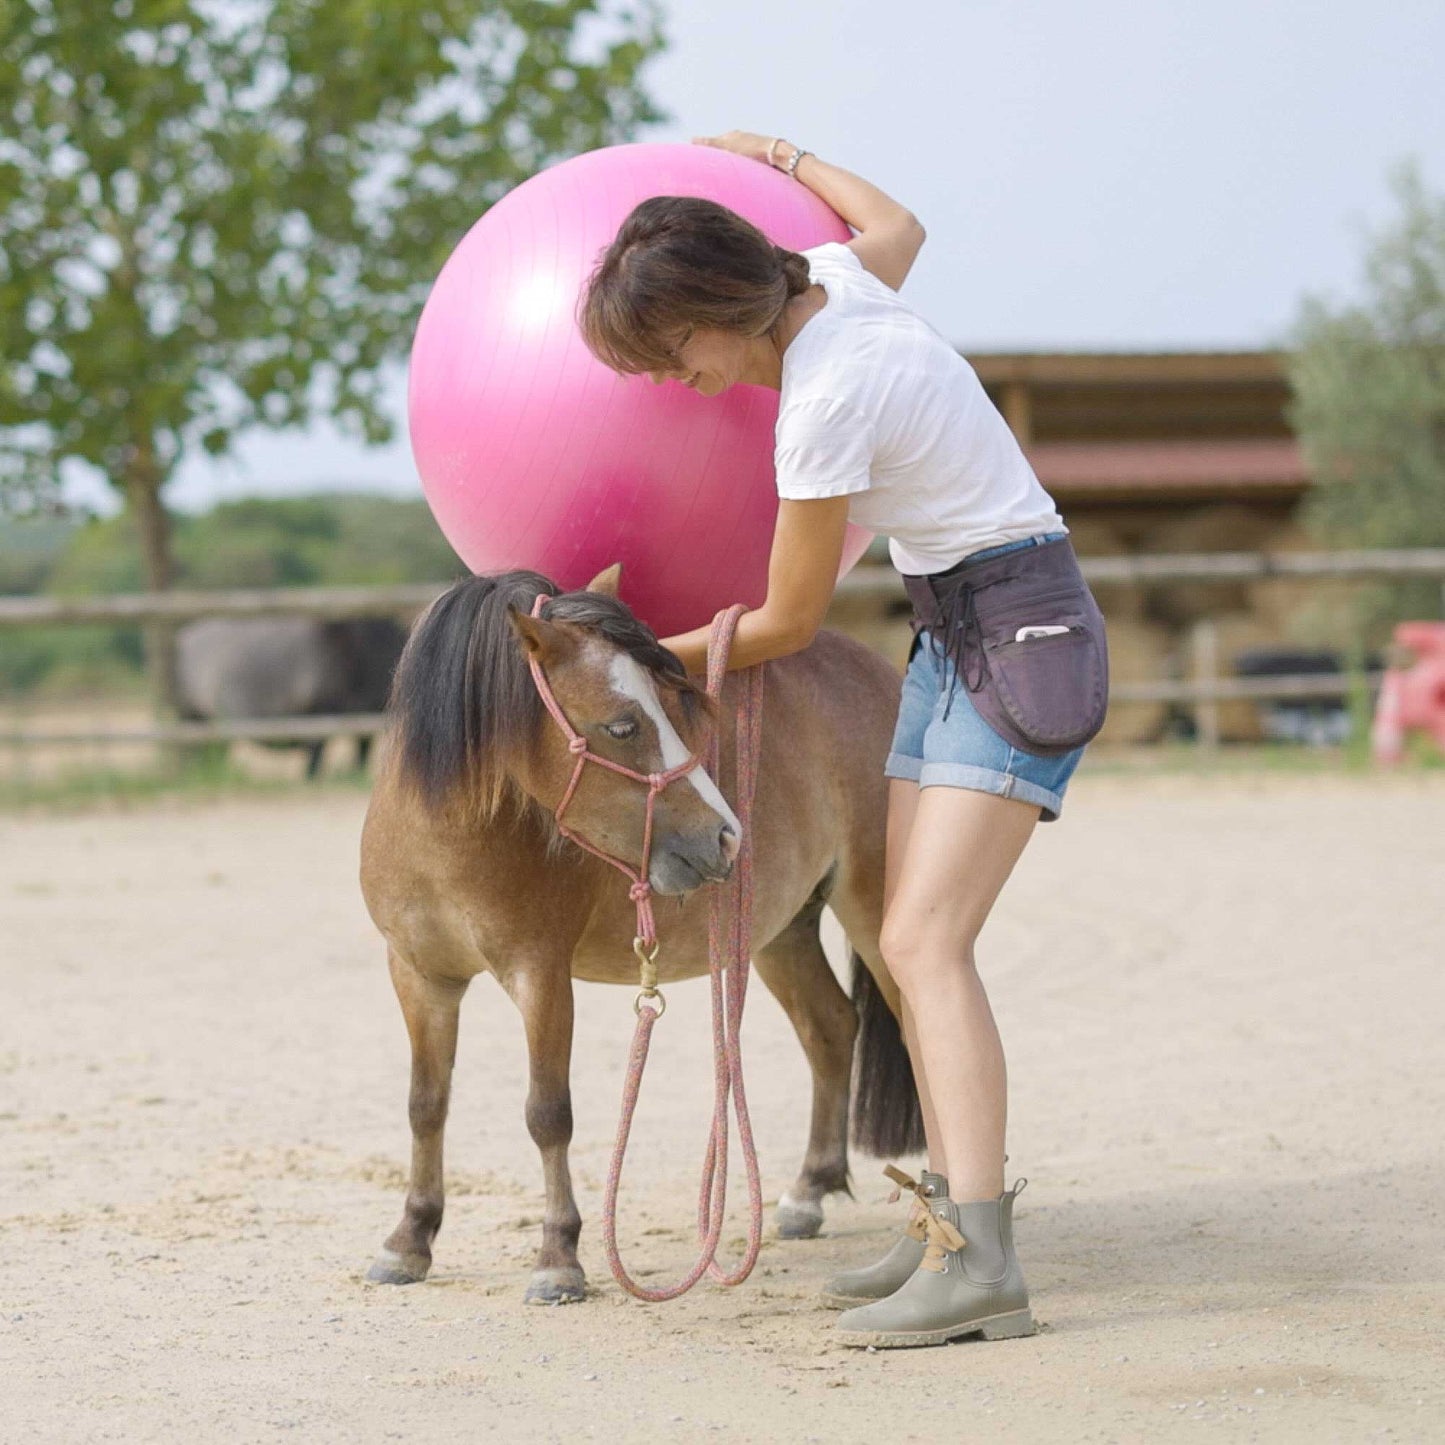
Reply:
x=641, y=890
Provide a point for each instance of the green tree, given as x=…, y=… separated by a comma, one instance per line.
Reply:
x=217, y=214
x=1369, y=398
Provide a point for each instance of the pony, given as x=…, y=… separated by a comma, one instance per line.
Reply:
x=463, y=871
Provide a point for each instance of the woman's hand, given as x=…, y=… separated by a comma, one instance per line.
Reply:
x=740, y=143
x=888, y=236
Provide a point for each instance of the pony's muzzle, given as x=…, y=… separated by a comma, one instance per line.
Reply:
x=682, y=862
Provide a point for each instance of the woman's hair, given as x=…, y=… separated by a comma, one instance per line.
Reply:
x=680, y=262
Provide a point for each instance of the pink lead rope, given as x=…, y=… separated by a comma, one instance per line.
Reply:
x=729, y=948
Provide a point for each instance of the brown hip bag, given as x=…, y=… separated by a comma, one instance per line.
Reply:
x=1045, y=693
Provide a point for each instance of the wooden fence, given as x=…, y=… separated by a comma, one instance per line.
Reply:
x=1201, y=692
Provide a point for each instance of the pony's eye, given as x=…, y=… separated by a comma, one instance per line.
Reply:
x=620, y=730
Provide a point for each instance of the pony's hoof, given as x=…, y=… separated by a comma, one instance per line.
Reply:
x=557, y=1287
x=393, y=1268
x=798, y=1219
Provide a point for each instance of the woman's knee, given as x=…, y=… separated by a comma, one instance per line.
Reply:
x=913, y=953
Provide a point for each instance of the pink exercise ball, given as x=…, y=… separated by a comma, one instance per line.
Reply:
x=534, y=454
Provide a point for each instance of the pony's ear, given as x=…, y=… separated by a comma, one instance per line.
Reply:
x=608, y=582
x=544, y=641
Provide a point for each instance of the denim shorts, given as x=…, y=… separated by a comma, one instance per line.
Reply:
x=961, y=750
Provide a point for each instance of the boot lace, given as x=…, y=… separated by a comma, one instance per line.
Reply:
x=916, y=1228
x=943, y=1240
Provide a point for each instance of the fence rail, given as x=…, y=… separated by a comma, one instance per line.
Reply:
x=1201, y=693
x=315, y=728
x=184, y=606
x=863, y=582
x=318, y=728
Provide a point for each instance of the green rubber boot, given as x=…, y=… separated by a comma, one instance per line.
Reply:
x=879, y=1280
x=968, y=1283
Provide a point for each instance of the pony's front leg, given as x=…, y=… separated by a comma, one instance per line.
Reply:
x=543, y=994
x=430, y=1007
x=796, y=972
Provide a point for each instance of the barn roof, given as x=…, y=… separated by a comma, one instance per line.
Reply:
x=1204, y=467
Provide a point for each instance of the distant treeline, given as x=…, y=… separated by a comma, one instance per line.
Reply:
x=331, y=539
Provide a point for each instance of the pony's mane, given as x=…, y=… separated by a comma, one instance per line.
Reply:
x=463, y=701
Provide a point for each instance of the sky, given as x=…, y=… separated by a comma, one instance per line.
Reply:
x=1112, y=175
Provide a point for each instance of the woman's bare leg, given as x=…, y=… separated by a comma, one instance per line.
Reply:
x=902, y=808
x=958, y=849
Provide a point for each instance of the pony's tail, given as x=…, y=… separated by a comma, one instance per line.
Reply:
x=887, y=1116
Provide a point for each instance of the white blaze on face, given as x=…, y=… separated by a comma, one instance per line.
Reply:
x=629, y=678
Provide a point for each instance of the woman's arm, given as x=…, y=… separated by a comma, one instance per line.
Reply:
x=889, y=235
x=802, y=570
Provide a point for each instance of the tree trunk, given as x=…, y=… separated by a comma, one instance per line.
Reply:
x=153, y=528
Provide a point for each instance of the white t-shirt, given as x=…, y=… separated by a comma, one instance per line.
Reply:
x=876, y=405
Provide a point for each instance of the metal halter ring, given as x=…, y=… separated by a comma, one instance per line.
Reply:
x=651, y=994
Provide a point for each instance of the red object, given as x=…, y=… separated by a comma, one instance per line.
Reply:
x=1412, y=699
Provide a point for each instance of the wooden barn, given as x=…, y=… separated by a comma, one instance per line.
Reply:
x=1157, y=452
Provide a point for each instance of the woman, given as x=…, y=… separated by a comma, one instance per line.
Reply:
x=880, y=422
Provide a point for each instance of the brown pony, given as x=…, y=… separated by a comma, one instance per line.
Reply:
x=463, y=870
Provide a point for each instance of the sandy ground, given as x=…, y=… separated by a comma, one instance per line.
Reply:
x=1222, y=1000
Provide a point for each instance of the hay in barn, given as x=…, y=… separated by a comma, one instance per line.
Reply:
x=1138, y=652
x=1216, y=527
x=1240, y=719
x=1120, y=601
x=1285, y=603
x=879, y=623
x=1220, y=528
x=1095, y=536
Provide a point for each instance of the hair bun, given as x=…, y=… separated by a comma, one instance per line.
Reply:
x=795, y=270
x=681, y=261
